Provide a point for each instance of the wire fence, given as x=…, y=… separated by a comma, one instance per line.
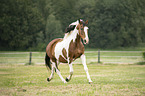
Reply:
x=118, y=57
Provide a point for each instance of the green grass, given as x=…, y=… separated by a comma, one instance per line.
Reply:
x=108, y=79
x=21, y=80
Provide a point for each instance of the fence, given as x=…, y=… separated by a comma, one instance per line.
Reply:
x=118, y=57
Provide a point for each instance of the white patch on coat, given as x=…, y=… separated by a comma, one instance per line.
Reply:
x=65, y=44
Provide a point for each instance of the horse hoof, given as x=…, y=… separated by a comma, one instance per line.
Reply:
x=67, y=80
x=48, y=79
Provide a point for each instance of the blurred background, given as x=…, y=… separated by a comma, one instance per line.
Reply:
x=32, y=24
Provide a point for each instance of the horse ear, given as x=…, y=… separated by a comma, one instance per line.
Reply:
x=86, y=22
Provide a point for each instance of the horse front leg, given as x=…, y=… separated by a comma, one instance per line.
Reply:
x=71, y=73
x=83, y=58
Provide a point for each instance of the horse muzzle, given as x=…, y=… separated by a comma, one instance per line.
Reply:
x=86, y=40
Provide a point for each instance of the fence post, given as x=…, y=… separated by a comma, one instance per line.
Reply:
x=30, y=58
x=99, y=56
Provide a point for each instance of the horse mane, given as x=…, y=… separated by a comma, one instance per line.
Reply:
x=67, y=34
x=70, y=29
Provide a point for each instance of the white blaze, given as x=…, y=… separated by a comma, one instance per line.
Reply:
x=86, y=34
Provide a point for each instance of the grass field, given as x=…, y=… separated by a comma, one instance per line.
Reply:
x=17, y=79
x=108, y=80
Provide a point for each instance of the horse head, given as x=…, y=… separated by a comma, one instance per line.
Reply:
x=83, y=31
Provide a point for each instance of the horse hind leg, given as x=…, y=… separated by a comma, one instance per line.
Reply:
x=58, y=72
x=52, y=75
x=49, y=66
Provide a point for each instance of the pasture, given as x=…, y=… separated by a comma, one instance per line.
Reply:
x=110, y=79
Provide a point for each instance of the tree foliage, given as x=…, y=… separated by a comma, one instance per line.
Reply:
x=32, y=24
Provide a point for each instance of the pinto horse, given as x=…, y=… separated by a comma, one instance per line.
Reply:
x=68, y=49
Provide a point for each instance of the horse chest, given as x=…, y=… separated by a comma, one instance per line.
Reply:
x=78, y=53
x=68, y=51
x=76, y=50
x=62, y=49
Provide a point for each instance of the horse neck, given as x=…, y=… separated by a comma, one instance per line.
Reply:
x=72, y=36
x=78, y=39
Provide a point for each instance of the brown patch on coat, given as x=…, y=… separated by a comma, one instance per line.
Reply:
x=50, y=48
x=76, y=49
x=64, y=53
x=80, y=28
x=61, y=59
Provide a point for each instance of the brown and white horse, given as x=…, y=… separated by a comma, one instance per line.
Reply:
x=67, y=49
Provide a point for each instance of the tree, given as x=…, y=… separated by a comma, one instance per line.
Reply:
x=115, y=24
x=53, y=29
x=26, y=24
x=64, y=11
x=20, y=22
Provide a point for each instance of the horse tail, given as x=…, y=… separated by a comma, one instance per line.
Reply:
x=47, y=61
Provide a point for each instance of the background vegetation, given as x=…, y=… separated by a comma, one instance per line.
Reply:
x=32, y=24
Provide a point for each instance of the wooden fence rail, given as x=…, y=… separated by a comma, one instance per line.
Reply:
x=119, y=57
